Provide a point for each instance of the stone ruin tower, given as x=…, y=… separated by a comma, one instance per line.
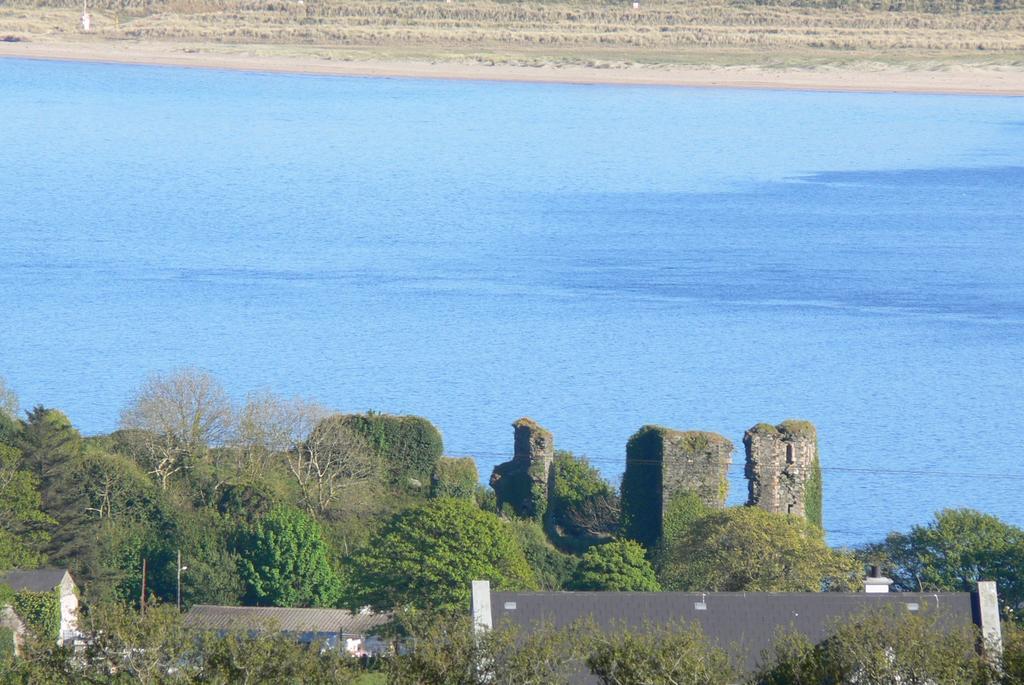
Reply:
x=782, y=469
x=660, y=463
x=523, y=482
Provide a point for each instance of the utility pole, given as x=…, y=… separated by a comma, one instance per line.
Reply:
x=142, y=595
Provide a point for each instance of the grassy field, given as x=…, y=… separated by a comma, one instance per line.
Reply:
x=814, y=34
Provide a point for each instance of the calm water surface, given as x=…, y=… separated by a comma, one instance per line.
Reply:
x=594, y=257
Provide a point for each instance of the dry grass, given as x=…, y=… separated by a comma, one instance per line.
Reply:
x=812, y=32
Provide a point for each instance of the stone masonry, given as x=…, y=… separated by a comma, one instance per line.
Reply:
x=781, y=462
x=523, y=482
x=660, y=463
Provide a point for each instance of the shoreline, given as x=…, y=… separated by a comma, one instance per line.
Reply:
x=870, y=78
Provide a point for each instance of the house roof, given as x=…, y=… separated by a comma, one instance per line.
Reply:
x=741, y=623
x=210, y=617
x=34, y=580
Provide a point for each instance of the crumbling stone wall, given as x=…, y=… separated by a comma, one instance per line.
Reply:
x=782, y=468
x=661, y=462
x=523, y=482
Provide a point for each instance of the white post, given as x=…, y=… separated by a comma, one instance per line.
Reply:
x=481, y=606
x=988, y=618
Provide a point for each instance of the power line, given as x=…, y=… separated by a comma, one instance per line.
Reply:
x=840, y=469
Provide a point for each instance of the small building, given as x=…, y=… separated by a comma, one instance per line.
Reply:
x=56, y=580
x=744, y=624
x=357, y=634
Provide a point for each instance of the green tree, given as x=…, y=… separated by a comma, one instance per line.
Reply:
x=552, y=567
x=1013, y=654
x=284, y=562
x=24, y=527
x=427, y=556
x=750, y=549
x=618, y=566
x=953, y=552
x=270, y=659
x=213, y=575
x=446, y=651
x=659, y=654
x=583, y=508
x=49, y=443
x=879, y=647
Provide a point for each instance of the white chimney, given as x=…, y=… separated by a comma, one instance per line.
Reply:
x=876, y=582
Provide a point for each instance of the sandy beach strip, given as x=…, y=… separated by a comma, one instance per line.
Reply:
x=1004, y=81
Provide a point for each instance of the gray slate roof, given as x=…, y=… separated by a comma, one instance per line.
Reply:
x=291, y=620
x=35, y=580
x=741, y=623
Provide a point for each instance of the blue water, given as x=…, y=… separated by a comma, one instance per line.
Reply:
x=594, y=257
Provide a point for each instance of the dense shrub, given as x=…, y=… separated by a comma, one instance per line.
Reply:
x=410, y=446
x=6, y=647
x=455, y=477
x=663, y=654
x=552, y=567
x=618, y=566
x=880, y=647
x=583, y=508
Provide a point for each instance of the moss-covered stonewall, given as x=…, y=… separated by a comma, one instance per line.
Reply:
x=661, y=462
x=641, y=486
x=410, y=446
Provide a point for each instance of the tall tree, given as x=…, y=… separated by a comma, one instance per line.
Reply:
x=24, y=527
x=177, y=417
x=427, y=556
x=750, y=549
x=618, y=566
x=49, y=443
x=953, y=552
x=285, y=562
x=268, y=426
x=332, y=460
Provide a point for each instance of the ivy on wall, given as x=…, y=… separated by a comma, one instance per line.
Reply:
x=40, y=612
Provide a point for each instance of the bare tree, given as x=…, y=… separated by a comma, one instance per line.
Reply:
x=331, y=460
x=269, y=426
x=8, y=400
x=177, y=417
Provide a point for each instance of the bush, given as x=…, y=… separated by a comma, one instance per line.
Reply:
x=6, y=646
x=455, y=477
x=583, y=508
x=881, y=646
x=618, y=566
x=663, y=654
x=552, y=567
x=410, y=446
x=1013, y=654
